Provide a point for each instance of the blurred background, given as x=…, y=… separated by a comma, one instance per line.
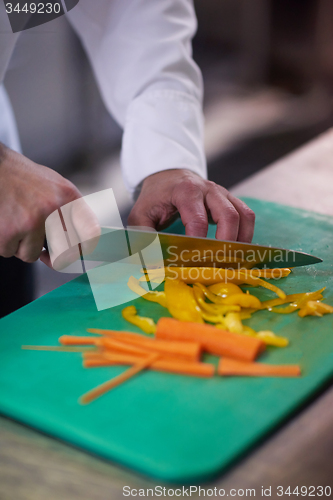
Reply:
x=268, y=73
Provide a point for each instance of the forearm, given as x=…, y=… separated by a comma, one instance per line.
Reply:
x=141, y=54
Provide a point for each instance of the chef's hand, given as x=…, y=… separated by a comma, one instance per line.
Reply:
x=29, y=193
x=165, y=194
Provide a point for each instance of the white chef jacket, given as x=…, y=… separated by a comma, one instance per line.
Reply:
x=140, y=51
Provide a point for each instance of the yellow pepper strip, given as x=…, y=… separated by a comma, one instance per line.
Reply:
x=268, y=304
x=315, y=308
x=266, y=336
x=239, y=299
x=216, y=299
x=297, y=304
x=212, y=275
x=248, y=330
x=259, y=282
x=181, y=302
x=218, y=320
x=159, y=297
x=244, y=300
x=246, y=313
x=146, y=324
x=224, y=289
x=233, y=322
x=271, y=339
x=271, y=273
x=214, y=309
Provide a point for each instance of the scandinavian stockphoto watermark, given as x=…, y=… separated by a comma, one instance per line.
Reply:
x=87, y=236
x=25, y=14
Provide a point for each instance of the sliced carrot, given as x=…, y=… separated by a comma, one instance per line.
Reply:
x=187, y=350
x=162, y=364
x=104, y=331
x=229, y=367
x=120, y=379
x=56, y=348
x=167, y=349
x=213, y=340
x=115, y=345
x=75, y=340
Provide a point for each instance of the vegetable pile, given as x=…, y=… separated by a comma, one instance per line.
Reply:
x=207, y=312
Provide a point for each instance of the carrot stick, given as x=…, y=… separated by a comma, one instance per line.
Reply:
x=122, y=357
x=98, y=363
x=120, y=379
x=184, y=350
x=115, y=345
x=161, y=364
x=229, y=367
x=74, y=340
x=56, y=348
x=213, y=340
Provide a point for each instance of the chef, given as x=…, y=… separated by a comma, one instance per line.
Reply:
x=140, y=51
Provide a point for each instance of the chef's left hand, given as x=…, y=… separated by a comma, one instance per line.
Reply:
x=166, y=194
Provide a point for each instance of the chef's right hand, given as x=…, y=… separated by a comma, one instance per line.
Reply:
x=29, y=193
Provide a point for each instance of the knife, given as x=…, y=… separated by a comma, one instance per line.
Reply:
x=157, y=248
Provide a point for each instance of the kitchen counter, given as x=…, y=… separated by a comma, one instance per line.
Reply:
x=34, y=466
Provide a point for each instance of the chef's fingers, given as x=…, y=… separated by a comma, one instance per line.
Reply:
x=189, y=201
x=31, y=245
x=140, y=217
x=246, y=219
x=9, y=245
x=223, y=213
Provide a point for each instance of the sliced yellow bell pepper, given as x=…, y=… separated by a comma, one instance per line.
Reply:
x=246, y=313
x=259, y=282
x=315, y=308
x=212, y=275
x=212, y=309
x=299, y=303
x=268, y=304
x=159, y=297
x=181, y=302
x=224, y=289
x=217, y=319
x=131, y=315
x=244, y=300
x=239, y=299
x=271, y=339
x=233, y=322
x=266, y=336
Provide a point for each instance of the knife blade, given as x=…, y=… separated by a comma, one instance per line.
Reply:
x=177, y=250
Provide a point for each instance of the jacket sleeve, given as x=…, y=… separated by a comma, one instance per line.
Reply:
x=140, y=51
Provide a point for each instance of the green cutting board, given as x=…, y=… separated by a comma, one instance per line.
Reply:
x=172, y=427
